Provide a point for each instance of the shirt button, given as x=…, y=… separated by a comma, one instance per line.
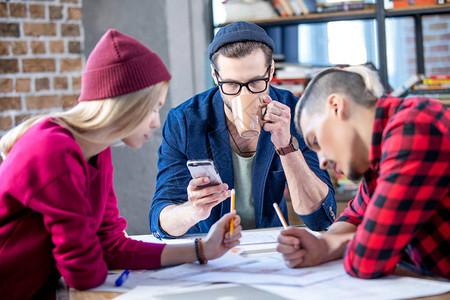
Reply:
x=333, y=216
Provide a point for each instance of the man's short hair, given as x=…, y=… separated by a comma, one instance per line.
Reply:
x=359, y=84
x=241, y=49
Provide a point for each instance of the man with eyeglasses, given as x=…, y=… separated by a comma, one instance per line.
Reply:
x=257, y=168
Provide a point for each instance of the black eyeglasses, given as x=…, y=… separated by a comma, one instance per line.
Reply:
x=233, y=87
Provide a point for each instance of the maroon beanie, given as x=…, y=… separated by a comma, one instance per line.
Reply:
x=118, y=65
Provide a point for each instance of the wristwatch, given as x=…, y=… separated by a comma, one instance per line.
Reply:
x=293, y=146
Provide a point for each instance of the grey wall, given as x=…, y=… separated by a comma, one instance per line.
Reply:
x=179, y=31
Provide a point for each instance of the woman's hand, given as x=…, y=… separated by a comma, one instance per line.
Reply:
x=219, y=240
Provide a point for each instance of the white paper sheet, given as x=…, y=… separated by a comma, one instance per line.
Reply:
x=219, y=291
x=186, y=271
x=250, y=237
x=349, y=288
x=313, y=285
x=267, y=271
x=271, y=270
x=262, y=240
x=265, y=236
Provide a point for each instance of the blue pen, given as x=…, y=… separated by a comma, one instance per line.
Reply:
x=122, y=277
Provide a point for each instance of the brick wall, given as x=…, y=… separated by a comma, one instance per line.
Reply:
x=41, y=58
x=436, y=40
x=436, y=35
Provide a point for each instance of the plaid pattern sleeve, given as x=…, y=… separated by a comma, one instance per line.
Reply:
x=404, y=200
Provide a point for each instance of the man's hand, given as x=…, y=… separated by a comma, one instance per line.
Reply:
x=176, y=219
x=202, y=199
x=300, y=248
x=277, y=121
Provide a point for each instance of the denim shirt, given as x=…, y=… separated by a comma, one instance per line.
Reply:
x=197, y=129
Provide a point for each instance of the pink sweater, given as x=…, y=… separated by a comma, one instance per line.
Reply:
x=59, y=215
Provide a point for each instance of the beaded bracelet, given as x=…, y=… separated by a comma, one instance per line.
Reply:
x=199, y=251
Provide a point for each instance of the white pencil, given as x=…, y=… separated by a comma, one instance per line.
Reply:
x=280, y=215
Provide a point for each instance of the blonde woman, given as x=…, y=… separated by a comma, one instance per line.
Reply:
x=58, y=210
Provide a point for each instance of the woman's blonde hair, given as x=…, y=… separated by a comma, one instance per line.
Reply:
x=117, y=116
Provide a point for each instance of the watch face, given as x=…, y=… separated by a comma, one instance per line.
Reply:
x=294, y=143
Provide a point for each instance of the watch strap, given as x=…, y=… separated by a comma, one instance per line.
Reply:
x=293, y=146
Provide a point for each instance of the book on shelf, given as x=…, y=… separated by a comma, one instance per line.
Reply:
x=436, y=81
x=303, y=8
x=288, y=71
x=287, y=6
x=433, y=86
x=407, y=3
x=307, y=6
x=424, y=87
x=407, y=85
x=439, y=85
x=293, y=77
x=238, y=10
x=432, y=91
x=324, y=7
x=296, y=7
x=439, y=76
x=284, y=70
x=295, y=87
x=279, y=8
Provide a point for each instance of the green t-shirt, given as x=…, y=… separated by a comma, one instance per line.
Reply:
x=243, y=175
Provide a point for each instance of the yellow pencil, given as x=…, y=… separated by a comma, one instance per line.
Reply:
x=233, y=198
x=280, y=215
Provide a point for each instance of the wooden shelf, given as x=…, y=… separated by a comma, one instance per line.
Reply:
x=317, y=18
x=367, y=13
x=418, y=10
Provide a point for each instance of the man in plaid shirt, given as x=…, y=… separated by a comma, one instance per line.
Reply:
x=401, y=149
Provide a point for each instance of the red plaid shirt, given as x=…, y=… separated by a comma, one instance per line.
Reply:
x=402, y=209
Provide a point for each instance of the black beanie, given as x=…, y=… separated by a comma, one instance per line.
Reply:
x=239, y=32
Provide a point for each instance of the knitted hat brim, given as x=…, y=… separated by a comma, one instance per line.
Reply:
x=123, y=78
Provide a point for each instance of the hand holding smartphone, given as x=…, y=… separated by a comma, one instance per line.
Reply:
x=204, y=168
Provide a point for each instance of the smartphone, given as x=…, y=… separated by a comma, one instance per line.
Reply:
x=204, y=168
